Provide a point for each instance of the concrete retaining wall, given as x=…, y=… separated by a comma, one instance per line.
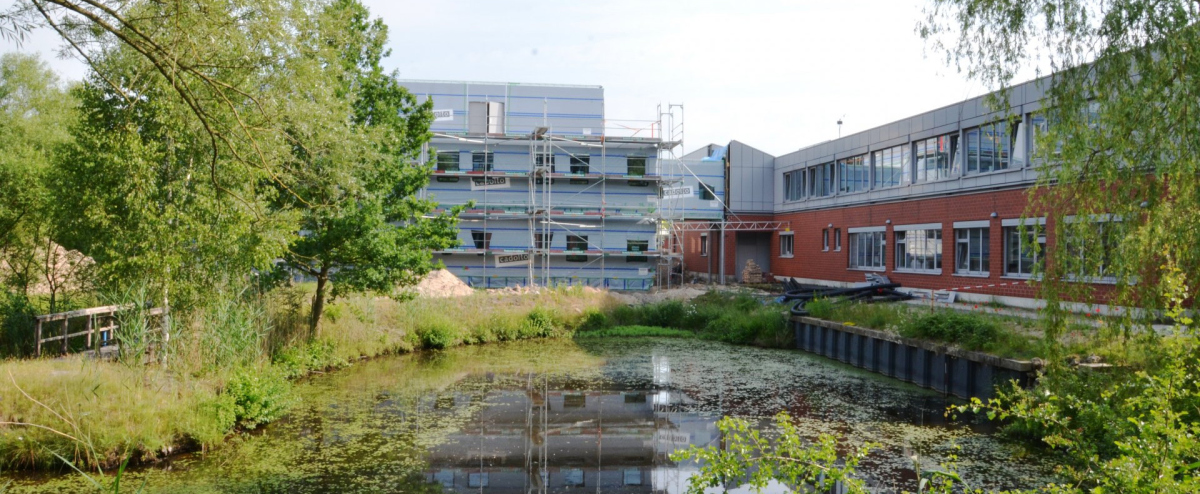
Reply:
x=949, y=370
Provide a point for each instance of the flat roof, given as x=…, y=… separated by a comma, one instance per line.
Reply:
x=536, y=84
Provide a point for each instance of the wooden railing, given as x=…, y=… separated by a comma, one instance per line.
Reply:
x=99, y=324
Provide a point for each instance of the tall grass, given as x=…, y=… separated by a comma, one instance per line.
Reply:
x=231, y=361
x=732, y=317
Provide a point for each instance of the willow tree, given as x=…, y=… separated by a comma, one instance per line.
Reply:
x=1120, y=136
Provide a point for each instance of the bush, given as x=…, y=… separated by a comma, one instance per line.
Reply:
x=256, y=396
x=296, y=361
x=593, y=320
x=971, y=331
x=819, y=308
x=539, y=323
x=437, y=334
x=16, y=324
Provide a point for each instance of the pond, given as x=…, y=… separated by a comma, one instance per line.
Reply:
x=572, y=416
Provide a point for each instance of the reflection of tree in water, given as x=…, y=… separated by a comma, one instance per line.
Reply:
x=561, y=416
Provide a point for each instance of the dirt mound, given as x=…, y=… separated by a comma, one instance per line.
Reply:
x=440, y=284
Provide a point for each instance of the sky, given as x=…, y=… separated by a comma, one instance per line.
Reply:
x=776, y=75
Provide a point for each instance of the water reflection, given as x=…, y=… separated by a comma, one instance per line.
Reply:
x=563, y=416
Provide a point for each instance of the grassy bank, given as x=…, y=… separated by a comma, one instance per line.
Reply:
x=732, y=317
x=230, y=368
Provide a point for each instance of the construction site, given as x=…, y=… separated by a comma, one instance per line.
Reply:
x=556, y=193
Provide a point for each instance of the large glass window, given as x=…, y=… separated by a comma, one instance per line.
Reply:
x=447, y=161
x=854, y=174
x=867, y=250
x=934, y=157
x=988, y=147
x=482, y=161
x=1094, y=246
x=820, y=180
x=919, y=250
x=793, y=185
x=1022, y=245
x=1040, y=127
x=971, y=251
x=787, y=244
x=707, y=193
x=892, y=167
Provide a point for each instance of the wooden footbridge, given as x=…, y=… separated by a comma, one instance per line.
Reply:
x=96, y=323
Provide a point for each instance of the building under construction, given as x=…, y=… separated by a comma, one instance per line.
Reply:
x=555, y=192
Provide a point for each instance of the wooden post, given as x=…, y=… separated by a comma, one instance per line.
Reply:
x=88, y=329
x=37, y=335
x=66, y=321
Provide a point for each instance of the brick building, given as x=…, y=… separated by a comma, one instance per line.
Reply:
x=934, y=201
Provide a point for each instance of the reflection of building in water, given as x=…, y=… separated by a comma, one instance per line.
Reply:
x=552, y=436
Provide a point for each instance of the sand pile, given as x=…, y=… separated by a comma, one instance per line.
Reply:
x=440, y=284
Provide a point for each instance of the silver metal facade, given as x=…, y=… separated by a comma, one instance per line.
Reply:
x=594, y=194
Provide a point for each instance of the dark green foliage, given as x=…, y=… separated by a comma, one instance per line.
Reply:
x=631, y=331
x=296, y=361
x=593, y=320
x=539, y=323
x=971, y=331
x=16, y=324
x=737, y=318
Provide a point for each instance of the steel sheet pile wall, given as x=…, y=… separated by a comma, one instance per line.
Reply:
x=930, y=365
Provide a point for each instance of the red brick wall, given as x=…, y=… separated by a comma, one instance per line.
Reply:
x=810, y=261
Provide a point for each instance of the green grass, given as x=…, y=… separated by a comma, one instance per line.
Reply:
x=636, y=331
x=230, y=366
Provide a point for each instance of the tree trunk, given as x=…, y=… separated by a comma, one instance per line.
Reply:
x=318, y=305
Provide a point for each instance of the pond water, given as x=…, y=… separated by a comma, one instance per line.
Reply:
x=571, y=416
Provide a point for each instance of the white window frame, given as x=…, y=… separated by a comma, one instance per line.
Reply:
x=968, y=226
x=788, y=240
x=824, y=240
x=703, y=245
x=1099, y=219
x=878, y=238
x=938, y=254
x=1006, y=226
x=837, y=239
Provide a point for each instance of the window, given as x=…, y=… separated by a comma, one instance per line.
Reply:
x=637, y=246
x=793, y=185
x=485, y=117
x=704, y=244
x=837, y=239
x=576, y=243
x=892, y=167
x=477, y=479
x=639, y=183
x=934, y=157
x=1022, y=246
x=483, y=240
x=854, y=174
x=481, y=161
x=820, y=180
x=1040, y=125
x=449, y=180
x=543, y=159
x=988, y=147
x=707, y=193
x=542, y=240
x=573, y=477
x=867, y=248
x=919, y=249
x=1093, y=242
x=636, y=166
x=824, y=239
x=447, y=161
x=972, y=250
x=787, y=244
x=580, y=163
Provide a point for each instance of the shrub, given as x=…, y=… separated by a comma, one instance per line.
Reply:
x=819, y=308
x=16, y=324
x=971, y=331
x=668, y=314
x=232, y=331
x=539, y=323
x=593, y=320
x=256, y=396
x=296, y=361
x=437, y=334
